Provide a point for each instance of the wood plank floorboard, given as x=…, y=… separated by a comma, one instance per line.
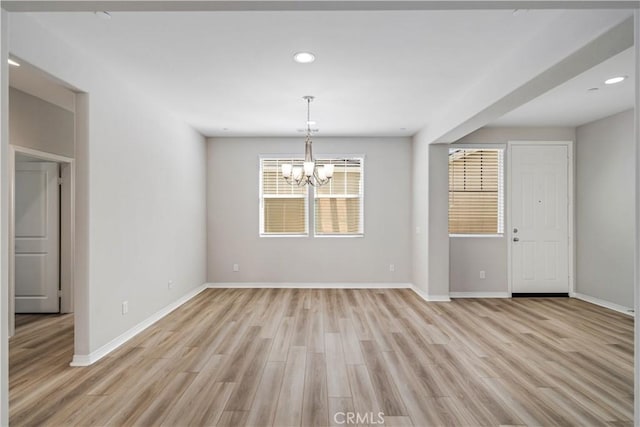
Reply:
x=332, y=357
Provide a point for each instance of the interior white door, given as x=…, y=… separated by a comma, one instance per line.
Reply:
x=539, y=218
x=37, y=237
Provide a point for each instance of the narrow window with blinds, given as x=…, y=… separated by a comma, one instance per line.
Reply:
x=476, y=191
x=339, y=204
x=283, y=206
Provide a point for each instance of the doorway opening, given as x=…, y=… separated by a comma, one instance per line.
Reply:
x=41, y=235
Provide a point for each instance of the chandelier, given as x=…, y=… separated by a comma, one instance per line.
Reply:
x=309, y=173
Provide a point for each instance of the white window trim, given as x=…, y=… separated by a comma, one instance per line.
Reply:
x=310, y=197
x=362, y=159
x=491, y=236
x=479, y=146
x=501, y=188
x=261, y=198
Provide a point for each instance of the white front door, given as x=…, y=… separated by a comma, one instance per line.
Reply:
x=37, y=237
x=539, y=218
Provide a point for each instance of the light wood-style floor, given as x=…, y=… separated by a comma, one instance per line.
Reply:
x=289, y=357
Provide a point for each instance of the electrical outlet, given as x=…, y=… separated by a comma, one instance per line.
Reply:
x=170, y=284
x=236, y=267
x=392, y=267
x=483, y=275
x=125, y=307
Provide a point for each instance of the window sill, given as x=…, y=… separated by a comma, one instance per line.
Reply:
x=475, y=236
x=284, y=235
x=330, y=236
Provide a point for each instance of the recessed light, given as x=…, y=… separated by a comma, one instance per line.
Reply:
x=14, y=63
x=304, y=57
x=593, y=89
x=614, y=80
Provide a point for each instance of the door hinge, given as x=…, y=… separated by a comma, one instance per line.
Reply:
x=59, y=180
x=59, y=293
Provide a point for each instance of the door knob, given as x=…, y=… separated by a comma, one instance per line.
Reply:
x=515, y=239
x=515, y=230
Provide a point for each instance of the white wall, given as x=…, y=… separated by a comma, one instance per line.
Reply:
x=439, y=221
x=144, y=172
x=430, y=243
x=147, y=211
x=233, y=216
x=40, y=125
x=605, y=209
x=420, y=212
x=502, y=135
x=470, y=255
x=4, y=219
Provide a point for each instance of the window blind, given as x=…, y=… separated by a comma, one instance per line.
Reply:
x=338, y=204
x=476, y=191
x=284, y=206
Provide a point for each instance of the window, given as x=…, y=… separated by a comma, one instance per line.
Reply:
x=337, y=206
x=283, y=206
x=476, y=191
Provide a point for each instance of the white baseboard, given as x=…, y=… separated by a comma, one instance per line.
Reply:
x=430, y=298
x=602, y=303
x=311, y=285
x=332, y=285
x=94, y=356
x=479, y=294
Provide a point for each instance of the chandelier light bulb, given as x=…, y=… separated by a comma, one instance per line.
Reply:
x=286, y=170
x=328, y=170
x=308, y=168
x=321, y=173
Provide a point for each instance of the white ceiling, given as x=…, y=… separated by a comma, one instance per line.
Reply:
x=573, y=104
x=376, y=73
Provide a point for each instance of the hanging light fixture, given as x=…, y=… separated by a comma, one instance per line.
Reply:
x=309, y=173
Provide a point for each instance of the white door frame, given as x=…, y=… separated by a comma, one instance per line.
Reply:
x=570, y=214
x=67, y=227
